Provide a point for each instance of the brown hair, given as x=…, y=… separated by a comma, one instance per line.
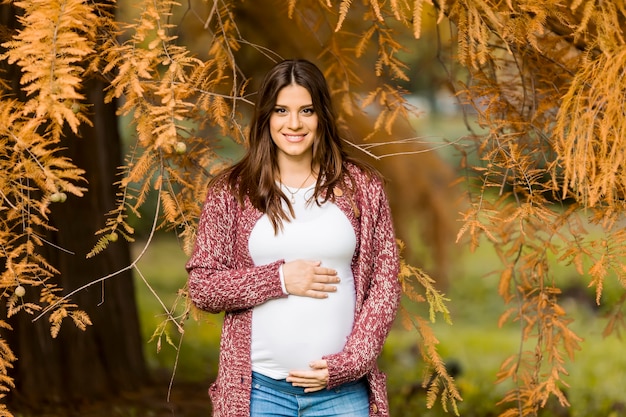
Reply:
x=254, y=176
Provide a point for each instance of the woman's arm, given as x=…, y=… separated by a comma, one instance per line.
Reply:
x=374, y=320
x=216, y=281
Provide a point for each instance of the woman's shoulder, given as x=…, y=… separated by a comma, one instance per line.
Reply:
x=223, y=181
x=218, y=185
x=363, y=175
x=221, y=189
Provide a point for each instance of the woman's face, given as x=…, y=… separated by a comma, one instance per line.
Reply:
x=293, y=124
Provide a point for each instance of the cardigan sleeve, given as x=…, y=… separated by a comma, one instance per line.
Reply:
x=379, y=255
x=219, y=279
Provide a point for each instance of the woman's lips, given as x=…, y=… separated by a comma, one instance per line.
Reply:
x=294, y=138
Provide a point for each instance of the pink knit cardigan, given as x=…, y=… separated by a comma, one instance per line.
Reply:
x=223, y=277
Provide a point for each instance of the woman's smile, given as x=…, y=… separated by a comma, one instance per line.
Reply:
x=294, y=138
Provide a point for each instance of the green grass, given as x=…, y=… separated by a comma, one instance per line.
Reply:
x=473, y=341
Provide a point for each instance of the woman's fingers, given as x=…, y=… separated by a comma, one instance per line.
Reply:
x=316, y=294
x=325, y=272
x=312, y=380
x=309, y=279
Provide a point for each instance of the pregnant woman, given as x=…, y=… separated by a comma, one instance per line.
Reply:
x=296, y=245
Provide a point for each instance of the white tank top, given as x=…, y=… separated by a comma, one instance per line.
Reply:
x=288, y=333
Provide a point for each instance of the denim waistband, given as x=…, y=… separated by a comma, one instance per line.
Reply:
x=283, y=386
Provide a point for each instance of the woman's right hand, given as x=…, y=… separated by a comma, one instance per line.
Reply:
x=309, y=279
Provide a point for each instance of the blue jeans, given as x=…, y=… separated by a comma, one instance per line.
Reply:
x=274, y=398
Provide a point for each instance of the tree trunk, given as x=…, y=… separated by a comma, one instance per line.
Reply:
x=108, y=356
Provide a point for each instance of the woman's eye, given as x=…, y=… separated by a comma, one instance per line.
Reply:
x=279, y=110
x=308, y=110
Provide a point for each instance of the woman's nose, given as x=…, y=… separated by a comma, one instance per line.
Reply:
x=294, y=120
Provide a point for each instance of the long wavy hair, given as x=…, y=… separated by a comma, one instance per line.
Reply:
x=255, y=175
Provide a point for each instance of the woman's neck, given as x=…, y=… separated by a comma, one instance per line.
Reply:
x=296, y=175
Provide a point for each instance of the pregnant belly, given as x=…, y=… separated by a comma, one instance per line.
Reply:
x=289, y=333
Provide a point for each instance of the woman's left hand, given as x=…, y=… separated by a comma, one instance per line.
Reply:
x=314, y=380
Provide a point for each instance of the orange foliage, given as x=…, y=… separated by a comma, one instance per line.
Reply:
x=545, y=86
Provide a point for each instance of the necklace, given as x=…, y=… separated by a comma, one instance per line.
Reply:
x=293, y=193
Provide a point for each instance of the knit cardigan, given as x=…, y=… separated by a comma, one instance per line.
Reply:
x=223, y=278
